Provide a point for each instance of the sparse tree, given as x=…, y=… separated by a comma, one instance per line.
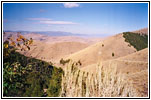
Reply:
x=112, y=54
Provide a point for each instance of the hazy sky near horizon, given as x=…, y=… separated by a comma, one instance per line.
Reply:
x=83, y=18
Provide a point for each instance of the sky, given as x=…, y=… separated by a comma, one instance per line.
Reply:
x=81, y=18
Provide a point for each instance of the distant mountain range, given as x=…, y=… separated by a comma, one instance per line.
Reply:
x=59, y=33
x=50, y=33
x=62, y=33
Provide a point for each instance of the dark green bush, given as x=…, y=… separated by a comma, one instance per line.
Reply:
x=55, y=83
x=138, y=41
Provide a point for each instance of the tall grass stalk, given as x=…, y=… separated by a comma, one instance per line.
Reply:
x=106, y=82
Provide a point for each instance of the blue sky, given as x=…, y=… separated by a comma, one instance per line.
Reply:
x=83, y=18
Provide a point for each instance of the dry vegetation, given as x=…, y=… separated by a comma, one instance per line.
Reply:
x=123, y=71
x=106, y=82
x=140, y=82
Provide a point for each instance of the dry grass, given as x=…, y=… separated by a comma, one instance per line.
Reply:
x=140, y=82
x=104, y=83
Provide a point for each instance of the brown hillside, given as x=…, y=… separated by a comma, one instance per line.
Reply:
x=53, y=52
x=134, y=66
x=127, y=64
x=55, y=39
x=141, y=55
x=92, y=54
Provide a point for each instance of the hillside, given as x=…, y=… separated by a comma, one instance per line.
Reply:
x=133, y=62
x=134, y=66
x=103, y=51
x=55, y=39
x=53, y=48
x=53, y=52
x=141, y=55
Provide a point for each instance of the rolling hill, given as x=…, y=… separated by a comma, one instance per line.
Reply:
x=130, y=63
x=53, y=52
x=103, y=51
x=55, y=39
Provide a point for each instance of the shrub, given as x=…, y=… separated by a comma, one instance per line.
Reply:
x=138, y=41
x=63, y=62
x=112, y=54
x=54, y=86
x=25, y=76
x=129, y=45
x=79, y=62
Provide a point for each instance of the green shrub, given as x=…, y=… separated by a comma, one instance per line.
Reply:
x=138, y=41
x=25, y=76
x=55, y=83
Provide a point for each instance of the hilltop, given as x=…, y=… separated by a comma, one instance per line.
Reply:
x=142, y=31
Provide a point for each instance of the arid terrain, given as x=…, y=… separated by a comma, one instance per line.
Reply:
x=91, y=52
